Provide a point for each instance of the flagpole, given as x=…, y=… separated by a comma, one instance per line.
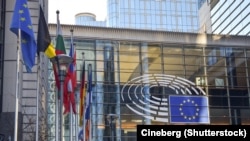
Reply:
x=83, y=112
x=82, y=97
x=90, y=104
x=37, y=96
x=84, y=121
x=84, y=109
x=77, y=95
x=77, y=98
x=57, y=114
x=37, y=92
x=76, y=117
x=17, y=83
x=87, y=106
x=71, y=125
x=70, y=104
x=57, y=96
x=90, y=122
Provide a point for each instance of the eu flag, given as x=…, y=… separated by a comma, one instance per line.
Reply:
x=21, y=21
x=188, y=109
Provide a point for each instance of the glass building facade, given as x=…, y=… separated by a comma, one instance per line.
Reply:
x=167, y=15
x=135, y=79
x=231, y=17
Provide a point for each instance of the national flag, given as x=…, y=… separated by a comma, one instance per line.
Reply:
x=72, y=72
x=56, y=77
x=44, y=43
x=82, y=95
x=21, y=20
x=88, y=104
x=60, y=48
x=87, y=130
x=188, y=109
x=72, y=67
x=69, y=96
x=71, y=81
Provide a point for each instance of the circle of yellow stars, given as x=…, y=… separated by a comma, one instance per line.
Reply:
x=189, y=117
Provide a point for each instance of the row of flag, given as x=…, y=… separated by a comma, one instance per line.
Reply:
x=21, y=25
x=85, y=104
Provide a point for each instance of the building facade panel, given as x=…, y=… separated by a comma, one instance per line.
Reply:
x=230, y=17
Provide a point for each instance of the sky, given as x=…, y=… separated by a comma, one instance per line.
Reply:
x=69, y=8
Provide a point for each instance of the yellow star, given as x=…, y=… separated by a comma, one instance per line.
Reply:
x=24, y=41
x=30, y=26
x=20, y=12
x=22, y=19
x=25, y=5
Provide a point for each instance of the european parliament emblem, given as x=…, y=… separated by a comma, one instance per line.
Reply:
x=140, y=97
x=188, y=109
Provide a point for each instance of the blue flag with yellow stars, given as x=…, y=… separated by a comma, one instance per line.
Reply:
x=188, y=109
x=21, y=21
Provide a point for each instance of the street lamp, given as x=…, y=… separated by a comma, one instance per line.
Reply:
x=62, y=63
x=112, y=120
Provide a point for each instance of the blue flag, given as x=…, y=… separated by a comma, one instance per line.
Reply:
x=21, y=21
x=80, y=135
x=188, y=109
x=87, y=127
x=89, y=93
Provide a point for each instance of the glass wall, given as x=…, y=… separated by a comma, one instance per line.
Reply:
x=167, y=15
x=134, y=81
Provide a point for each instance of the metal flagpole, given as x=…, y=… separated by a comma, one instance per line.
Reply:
x=90, y=103
x=71, y=123
x=37, y=93
x=38, y=88
x=17, y=83
x=37, y=99
x=76, y=117
x=77, y=101
x=61, y=75
x=57, y=96
x=84, y=121
x=57, y=114
x=70, y=104
x=83, y=112
x=37, y=96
